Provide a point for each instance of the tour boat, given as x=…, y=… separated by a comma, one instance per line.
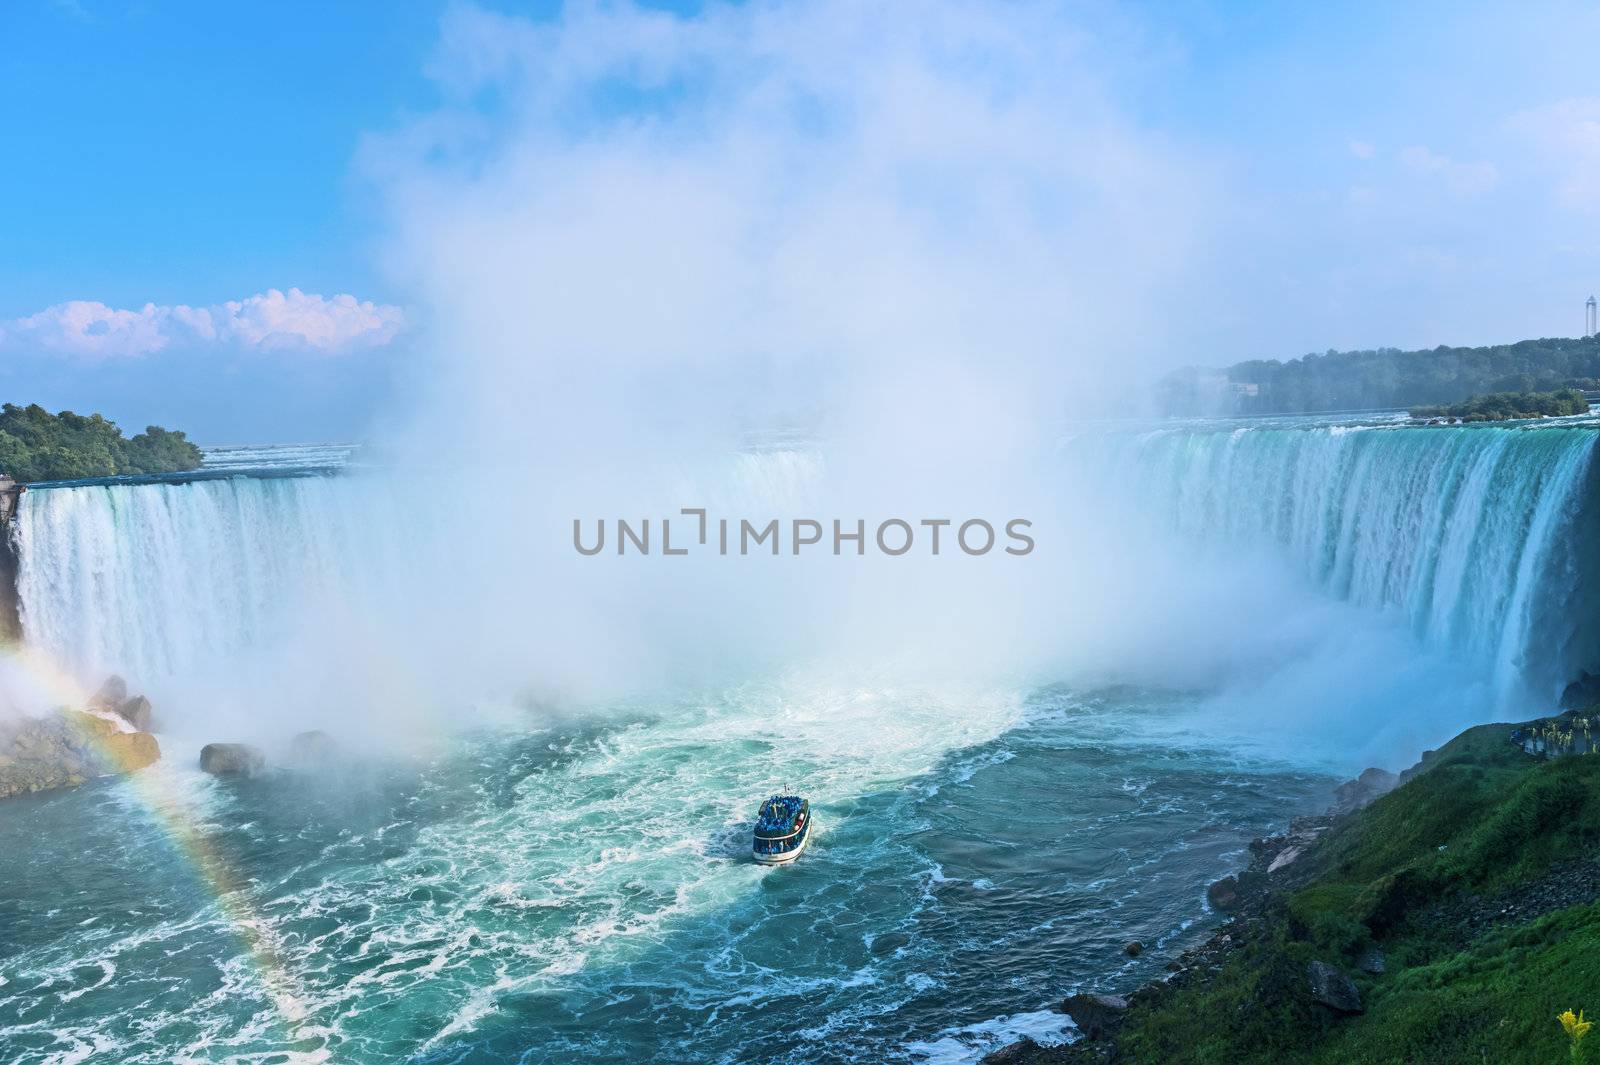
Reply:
x=782, y=828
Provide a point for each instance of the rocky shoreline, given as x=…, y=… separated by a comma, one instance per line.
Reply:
x=1246, y=899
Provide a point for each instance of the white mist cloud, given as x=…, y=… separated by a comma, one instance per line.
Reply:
x=828, y=187
x=633, y=233
x=272, y=320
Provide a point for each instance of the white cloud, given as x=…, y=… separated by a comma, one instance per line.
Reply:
x=1566, y=135
x=1463, y=179
x=294, y=319
x=1363, y=149
x=272, y=320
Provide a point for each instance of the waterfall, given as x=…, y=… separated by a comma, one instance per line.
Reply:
x=169, y=582
x=1480, y=537
x=1477, y=534
x=156, y=580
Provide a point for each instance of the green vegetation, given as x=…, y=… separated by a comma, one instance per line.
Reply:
x=1502, y=406
x=1470, y=878
x=1384, y=377
x=36, y=445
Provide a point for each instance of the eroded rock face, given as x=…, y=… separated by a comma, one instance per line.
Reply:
x=1581, y=693
x=67, y=748
x=231, y=759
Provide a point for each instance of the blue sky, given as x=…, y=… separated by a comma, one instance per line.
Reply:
x=1366, y=175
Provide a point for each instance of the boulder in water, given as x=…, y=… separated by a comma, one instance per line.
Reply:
x=313, y=746
x=1224, y=894
x=231, y=759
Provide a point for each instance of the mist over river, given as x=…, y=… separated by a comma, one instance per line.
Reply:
x=548, y=878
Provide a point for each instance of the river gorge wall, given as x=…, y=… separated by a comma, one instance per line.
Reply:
x=10, y=601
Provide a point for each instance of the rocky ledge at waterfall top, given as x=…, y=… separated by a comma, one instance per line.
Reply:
x=109, y=735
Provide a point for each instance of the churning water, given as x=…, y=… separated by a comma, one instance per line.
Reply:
x=585, y=891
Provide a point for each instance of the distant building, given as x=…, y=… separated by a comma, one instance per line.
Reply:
x=1590, y=326
x=1246, y=388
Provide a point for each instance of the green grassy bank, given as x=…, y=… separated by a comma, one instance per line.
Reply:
x=1475, y=881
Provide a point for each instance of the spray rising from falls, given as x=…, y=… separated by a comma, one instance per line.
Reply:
x=1478, y=535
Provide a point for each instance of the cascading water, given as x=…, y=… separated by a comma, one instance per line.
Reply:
x=210, y=579
x=158, y=580
x=1475, y=533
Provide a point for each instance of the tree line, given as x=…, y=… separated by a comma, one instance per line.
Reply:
x=36, y=445
x=1383, y=377
x=1503, y=406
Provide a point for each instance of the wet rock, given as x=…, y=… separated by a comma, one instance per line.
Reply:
x=1372, y=784
x=66, y=749
x=313, y=746
x=1581, y=693
x=1333, y=988
x=137, y=712
x=1371, y=961
x=1134, y=949
x=1224, y=894
x=1023, y=1050
x=112, y=694
x=230, y=759
x=1284, y=858
x=1096, y=1016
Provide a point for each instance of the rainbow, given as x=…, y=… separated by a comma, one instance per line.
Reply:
x=175, y=818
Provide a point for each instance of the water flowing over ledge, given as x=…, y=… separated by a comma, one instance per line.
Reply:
x=1483, y=537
